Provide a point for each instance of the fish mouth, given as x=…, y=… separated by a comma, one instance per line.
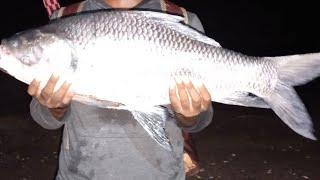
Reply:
x=3, y=70
x=3, y=53
x=3, y=50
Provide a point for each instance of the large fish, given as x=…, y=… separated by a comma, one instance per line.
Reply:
x=131, y=57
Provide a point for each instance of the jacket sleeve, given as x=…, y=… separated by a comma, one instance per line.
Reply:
x=204, y=119
x=43, y=117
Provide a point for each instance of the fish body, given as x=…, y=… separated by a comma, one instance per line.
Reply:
x=132, y=57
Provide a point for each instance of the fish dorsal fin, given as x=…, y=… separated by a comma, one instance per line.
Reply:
x=157, y=15
x=176, y=23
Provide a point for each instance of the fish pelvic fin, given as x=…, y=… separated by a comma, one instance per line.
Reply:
x=297, y=70
x=244, y=99
x=153, y=119
x=287, y=105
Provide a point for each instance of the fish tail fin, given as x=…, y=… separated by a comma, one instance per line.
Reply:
x=153, y=121
x=292, y=71
x=297, y=70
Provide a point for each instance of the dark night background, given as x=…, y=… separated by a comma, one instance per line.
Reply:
x=241, y=143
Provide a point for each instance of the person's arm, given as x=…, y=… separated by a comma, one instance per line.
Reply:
x=43, y=116
x=49, y=108
x=203, y=117
x=191, y=106
x=203, y=120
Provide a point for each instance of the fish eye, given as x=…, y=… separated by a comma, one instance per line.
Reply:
x=14, y=44
x=26, y=59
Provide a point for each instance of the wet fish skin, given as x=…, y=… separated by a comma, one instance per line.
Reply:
x=138, y=53
x=80, y=33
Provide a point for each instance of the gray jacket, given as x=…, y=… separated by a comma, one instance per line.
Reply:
x=101, y=144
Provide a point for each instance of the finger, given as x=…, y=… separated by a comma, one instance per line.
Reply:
x=174, y=99
x=57, y=97
x=206, y=98
x=39, y=90
x=195, y=97
x=48, y=89
x=33, y=87
x=183, y=96
x=67, y=98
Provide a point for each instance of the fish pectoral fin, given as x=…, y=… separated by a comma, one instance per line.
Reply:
x=245, y=99
x=153, y=119
x=92, y=101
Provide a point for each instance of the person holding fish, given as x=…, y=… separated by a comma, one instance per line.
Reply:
x=107, y=143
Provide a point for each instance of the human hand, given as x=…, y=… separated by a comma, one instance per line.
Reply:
x=56, y=101
x=188, y=102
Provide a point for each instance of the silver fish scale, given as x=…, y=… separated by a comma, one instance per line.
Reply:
x=118, y=25
x=78, y=31
x=261, y=73
x=131, y=26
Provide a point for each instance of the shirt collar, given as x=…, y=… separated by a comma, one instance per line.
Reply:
x=142, y=5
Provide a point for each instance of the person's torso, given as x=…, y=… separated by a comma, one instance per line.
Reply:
x=99, y=143
x=111, y=144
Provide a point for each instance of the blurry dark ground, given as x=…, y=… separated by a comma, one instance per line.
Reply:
x=241, y=143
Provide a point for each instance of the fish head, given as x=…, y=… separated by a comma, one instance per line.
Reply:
x=28, y=46
x=30, y=54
